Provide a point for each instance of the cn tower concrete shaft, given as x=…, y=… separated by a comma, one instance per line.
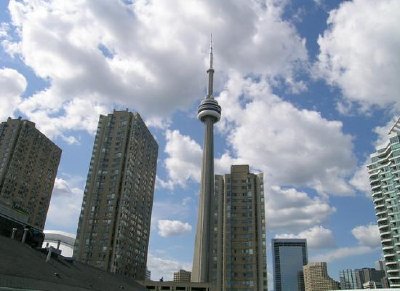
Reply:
x=202, y=255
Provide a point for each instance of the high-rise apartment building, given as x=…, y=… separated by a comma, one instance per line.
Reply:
x=289, y=256
x=238, y=231
x=28, y=169
x=114, y=224
x=384, y=176
x=182, y=276
x=209, y=112
x=316, y=278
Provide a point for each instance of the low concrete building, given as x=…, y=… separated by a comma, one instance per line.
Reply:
x=176, y=286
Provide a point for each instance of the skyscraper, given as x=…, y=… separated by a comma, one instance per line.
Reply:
x=209, y=112
x=348, y=279
x=28, y=169
x=316, y=278
x=384, y=176
x=114, y=224
x=289, y=256
x=238, y=231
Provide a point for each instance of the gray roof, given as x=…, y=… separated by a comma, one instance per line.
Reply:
x=25, y=268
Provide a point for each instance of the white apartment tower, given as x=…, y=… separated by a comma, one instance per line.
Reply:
x=384, y=176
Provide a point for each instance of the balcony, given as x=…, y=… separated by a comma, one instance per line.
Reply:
x=385, y=248
x=381, y=219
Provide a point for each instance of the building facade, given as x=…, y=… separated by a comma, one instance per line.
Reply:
x=182, y=276
x=239, y=238
x=114, y=224
x=348, y=279
x=384, y=176
x=28, y=169
x=316, y=278
x=209, y=112
x=289, y=256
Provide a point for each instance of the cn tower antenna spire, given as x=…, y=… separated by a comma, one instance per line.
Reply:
x=210, y=72
x=211, y=53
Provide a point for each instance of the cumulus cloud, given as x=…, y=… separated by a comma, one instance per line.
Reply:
x=292, y=210
x=368, y=242
x=111, y=53
x=360, y=180
x=77, y=114
x=65, y=205
x=341, y=253
x=167, y=208
x=317, y=237
x=359, y=51
x=286, y=143
x=12, y=85
x=367, y=235
x=162, y=267
x=168, y=228
x=183, y=159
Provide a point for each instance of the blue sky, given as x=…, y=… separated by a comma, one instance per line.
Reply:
x=307, y=89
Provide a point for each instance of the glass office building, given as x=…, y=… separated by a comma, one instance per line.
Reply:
x=289, y=257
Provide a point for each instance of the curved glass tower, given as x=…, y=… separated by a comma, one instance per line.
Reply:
x=209, y=112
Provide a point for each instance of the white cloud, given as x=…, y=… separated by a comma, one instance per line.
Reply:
x=162, y=267
x=12, y=85
x=291, y=210
x=341, y=253
x=65, y=206
x=76, y=114
x=183, y=159
x=382, y=132
x=167, y=208
x=367, y=235
x=288, y=144
x=317, y=237
x=168, y=228
x=368, y=242
x=112, y=53
x=360, y=180
x=359, y=51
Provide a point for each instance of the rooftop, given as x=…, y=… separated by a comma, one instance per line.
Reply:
x=25, y=268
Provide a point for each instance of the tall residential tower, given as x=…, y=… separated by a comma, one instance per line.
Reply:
x=209, y=112
x=384, y=176
x=114, y=224
x=238, y=226
x=28, y=169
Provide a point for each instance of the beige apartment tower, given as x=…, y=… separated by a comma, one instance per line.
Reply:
x=28, y=169
x=238, y=238
x=182, y=276
x=316, y=278
x=114, y=224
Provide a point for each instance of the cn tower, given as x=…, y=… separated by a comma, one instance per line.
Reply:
x=209, y=112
